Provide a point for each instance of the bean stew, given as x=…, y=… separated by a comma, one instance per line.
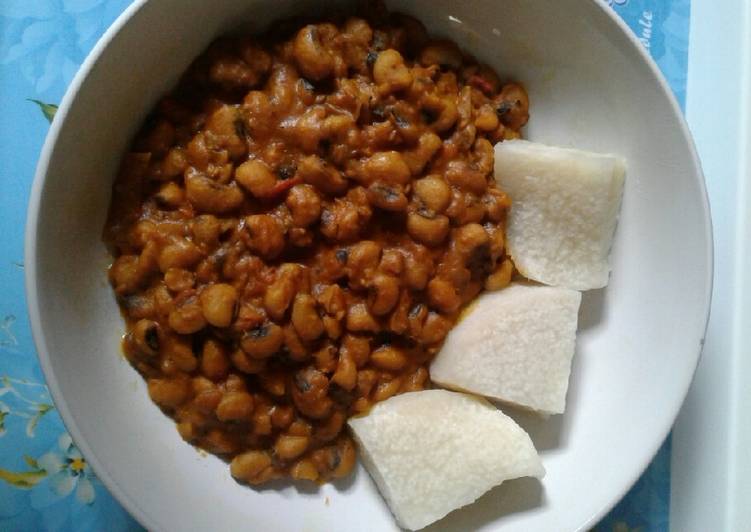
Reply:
x=297, y=227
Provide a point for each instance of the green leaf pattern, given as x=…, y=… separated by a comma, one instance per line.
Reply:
x=48, y=109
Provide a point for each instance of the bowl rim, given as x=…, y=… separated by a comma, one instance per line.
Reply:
x=30, y=257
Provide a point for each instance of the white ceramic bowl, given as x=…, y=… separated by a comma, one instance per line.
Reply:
x=591, y=85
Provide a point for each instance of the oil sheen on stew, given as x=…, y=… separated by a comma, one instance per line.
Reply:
x=296, y=228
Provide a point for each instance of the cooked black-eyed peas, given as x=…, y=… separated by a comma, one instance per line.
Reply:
x=298, y=226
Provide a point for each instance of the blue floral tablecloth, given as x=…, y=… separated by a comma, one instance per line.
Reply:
x=45, y=483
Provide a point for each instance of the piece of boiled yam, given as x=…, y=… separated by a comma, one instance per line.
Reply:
x=514, y=345
x=434, y=451
x=565, y=205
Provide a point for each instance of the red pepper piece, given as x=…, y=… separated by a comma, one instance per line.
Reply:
x=481, y=83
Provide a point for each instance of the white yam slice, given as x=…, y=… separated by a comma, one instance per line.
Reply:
x=514, y=345
x=434, y=451
x=565, y=205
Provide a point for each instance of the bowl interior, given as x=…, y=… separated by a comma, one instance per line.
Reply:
x=639, y=339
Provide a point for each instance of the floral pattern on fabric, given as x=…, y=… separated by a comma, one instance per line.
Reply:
x=50, y=38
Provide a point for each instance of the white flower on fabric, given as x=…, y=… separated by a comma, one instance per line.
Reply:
x=49, y=38
x=68, y=471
